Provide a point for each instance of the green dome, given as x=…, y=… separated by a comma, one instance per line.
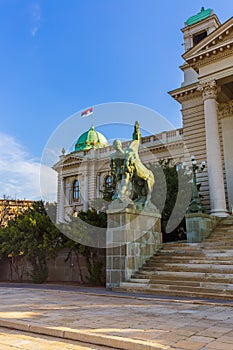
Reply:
x=90, y=139
x=199, y=17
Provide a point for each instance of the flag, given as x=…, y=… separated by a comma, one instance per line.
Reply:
x=87, y=112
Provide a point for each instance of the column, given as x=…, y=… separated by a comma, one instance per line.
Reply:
x=85, y=191
x=214, y=160
x=226, y=114
x=60, y=199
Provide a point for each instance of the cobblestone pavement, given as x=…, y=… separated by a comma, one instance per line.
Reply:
x=13, y=340
x=123, y=322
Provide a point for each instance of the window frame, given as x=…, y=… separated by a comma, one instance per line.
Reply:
x=76, y=191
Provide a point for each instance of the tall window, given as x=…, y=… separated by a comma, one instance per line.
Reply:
x=108, y=182
x=198, y=37
x=76, y=190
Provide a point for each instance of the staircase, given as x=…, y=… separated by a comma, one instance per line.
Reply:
x=200, y=270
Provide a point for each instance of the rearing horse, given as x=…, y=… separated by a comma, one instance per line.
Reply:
x=137, y=169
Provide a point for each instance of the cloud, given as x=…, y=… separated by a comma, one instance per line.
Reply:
x=35, y=13
x=20, y=174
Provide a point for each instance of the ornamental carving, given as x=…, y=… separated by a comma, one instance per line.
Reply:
x=225, y=109
x=209, y=89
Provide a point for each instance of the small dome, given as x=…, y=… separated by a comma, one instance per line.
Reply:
x=90, y=139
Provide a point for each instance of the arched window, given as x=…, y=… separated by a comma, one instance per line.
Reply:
x=76, y=190
x=108, y=182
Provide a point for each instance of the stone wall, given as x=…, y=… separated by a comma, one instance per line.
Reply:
x=60, y=269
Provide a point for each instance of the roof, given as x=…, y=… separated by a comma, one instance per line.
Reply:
x=90, y=139
x=199, y=16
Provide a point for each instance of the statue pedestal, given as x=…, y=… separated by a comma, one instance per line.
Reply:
x=199, y=226
x=132, y=237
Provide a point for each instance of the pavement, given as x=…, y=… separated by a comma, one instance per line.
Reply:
x=117, y=320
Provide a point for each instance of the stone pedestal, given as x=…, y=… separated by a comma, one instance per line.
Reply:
x=132, y=237
x=199, y=226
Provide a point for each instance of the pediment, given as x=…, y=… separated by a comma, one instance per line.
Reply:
x=68, y=160
x=217, y=43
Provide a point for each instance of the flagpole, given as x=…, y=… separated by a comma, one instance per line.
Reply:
x=92, y=116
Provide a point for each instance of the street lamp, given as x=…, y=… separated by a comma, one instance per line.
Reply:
x=195, y=204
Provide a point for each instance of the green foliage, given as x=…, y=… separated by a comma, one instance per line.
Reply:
x=94, y=266
x=33, y=236
x=172, y=190
x=85, y=234
x=94, y=218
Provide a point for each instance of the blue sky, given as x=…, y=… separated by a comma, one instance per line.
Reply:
x=58, y=58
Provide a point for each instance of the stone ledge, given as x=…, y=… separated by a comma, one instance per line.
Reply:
x=81, y=336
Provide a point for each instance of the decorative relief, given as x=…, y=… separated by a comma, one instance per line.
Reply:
x=225, y=109
x=209, y=89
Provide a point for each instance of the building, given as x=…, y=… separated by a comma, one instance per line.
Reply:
x=85, y=173
x=206, y=98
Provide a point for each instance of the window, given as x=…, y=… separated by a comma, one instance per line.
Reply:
x=108, y=182
x=179, y=166
x=198, y=37
x=76, y=190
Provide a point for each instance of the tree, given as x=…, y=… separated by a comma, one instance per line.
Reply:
x=33, y=236
x=171, y=195
x=86, y=235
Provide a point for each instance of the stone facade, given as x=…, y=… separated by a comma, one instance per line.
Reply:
x=206, y=98
x=92, y=169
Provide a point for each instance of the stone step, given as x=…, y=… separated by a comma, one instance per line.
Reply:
x=207, y=268
x=182, y=284
x=200, y=270
x=186, y=276
x=206, y=288
x=139, y=280
x=178, y=293
x=213, y=258
x=188, y=260
x=200, y=252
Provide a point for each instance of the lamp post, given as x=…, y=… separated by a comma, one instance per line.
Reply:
x=195, y=204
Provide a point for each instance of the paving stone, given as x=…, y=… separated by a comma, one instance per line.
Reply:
x=189, y=345
x=218, y=345
x=108, y=320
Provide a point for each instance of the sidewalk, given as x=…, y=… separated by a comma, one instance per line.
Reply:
x=121, y=321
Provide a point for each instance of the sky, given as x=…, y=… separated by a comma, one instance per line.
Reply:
x=58, y=58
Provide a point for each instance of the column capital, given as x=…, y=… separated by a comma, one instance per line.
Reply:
x=209, y=89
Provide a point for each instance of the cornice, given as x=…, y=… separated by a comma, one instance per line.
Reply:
x=214, y=39
x=185, y=93
x=210, y=56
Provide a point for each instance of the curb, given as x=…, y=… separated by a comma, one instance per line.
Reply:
x=83, y=336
